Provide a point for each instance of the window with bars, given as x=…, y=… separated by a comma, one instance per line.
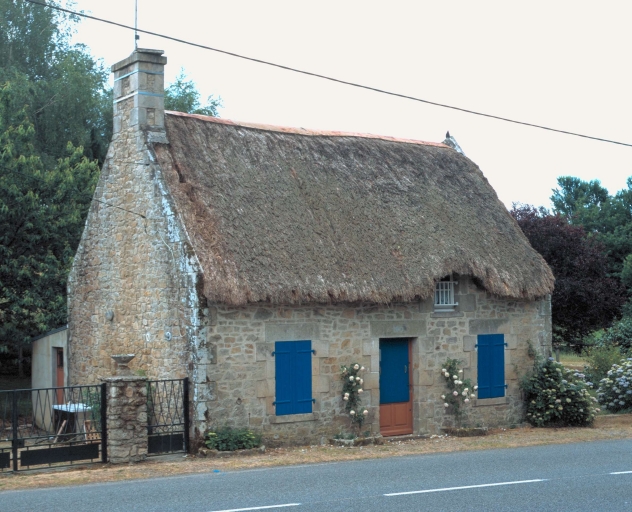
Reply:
x=444, y=295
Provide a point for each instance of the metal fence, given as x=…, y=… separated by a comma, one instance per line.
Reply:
x=52, y=427
x=168, y=416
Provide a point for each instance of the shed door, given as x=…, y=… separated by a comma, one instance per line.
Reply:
x=59, y=374
x=396, y=411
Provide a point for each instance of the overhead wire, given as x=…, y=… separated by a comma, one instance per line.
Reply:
x=325, y=77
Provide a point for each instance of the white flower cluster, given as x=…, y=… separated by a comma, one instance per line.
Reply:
x=615, y=391
x=352, y=388
x=460, y=391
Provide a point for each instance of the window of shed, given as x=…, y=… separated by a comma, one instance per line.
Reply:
x=444, y=295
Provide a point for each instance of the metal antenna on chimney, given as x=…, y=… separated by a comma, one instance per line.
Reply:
x=136, y=36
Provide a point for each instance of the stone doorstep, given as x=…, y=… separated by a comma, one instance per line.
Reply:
x=465, y=432
x=206, y=452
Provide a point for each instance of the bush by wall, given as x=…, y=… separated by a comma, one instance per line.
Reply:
x=352, y=384
x=231, y=439
x=459, y=391
x=556, y=396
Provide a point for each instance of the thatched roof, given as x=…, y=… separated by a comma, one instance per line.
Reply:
x=289, y=216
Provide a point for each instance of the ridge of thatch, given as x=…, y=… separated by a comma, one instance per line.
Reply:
x=295, y=216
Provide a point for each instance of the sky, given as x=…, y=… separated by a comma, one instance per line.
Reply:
x=563, y=64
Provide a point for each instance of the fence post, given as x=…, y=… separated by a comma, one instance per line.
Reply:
x=185, y=400
x=126, y=421
x=14, y=424
x=104, y=423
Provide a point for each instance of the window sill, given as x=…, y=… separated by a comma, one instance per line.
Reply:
x=292, y=418
x=482, y=402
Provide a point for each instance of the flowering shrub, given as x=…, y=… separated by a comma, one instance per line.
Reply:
x=555, y=395
x=615, y=391
x=351, y=391
x=600, y=361
x=460, y=391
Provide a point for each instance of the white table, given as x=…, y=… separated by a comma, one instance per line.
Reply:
x=73, y=414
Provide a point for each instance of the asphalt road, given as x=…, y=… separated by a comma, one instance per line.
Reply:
x=585, y=476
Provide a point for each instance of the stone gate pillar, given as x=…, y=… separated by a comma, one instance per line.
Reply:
x=126, y=418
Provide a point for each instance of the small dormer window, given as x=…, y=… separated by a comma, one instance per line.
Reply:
x=444, y=295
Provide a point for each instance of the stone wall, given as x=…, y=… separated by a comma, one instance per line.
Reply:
x=133, y=285
x=239, y=372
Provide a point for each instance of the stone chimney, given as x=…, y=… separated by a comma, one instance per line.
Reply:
x=139, y=91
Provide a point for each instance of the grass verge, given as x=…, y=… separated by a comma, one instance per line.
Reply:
x=606, y=428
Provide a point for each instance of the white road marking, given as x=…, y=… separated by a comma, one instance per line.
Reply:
x=621, y=473
x=258, y=508
x=465, y=487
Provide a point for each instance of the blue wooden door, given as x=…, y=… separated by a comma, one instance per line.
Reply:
x=395, y=383
x=394, y=371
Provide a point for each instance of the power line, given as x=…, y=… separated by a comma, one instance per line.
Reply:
x=329, y=78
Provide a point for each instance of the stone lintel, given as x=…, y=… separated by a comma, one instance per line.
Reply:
x=398, y=328
x=291, y=332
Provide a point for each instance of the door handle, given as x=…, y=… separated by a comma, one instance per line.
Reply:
x=405, y=368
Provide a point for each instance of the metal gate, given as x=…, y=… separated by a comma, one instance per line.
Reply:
x=168, y=416
x=52, y=427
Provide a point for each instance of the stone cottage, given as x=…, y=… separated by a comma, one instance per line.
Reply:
x=256, y=260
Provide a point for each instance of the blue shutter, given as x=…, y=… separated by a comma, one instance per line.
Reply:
x=491, y=365
x=293, y=365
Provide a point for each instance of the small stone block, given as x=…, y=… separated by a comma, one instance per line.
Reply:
x=371, y=380
x=426, y=377
x=262, y=388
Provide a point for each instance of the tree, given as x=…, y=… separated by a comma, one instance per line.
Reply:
x=63, y=90
x=42, y=212
x=584, y=298
x=578, y=200
x=183, y=96
x=55, y=117
x=605, y=217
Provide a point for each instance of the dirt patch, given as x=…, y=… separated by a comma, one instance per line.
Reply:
x=608, y=427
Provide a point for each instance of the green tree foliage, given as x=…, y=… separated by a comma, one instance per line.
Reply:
x=585, y=298
x=618, y=335
x=607, y=218
x=55, y=118
x=183, y=96
x=42, y=212
x=62, y=89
